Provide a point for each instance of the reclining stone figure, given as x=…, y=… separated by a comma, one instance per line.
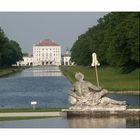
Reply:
x=86, y=95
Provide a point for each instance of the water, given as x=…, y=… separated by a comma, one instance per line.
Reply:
x=59, y=122
x=46, y=85
x=50, y=88
x=133, y=100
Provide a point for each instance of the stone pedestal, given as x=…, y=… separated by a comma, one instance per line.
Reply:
x=98, y=108
x=86, y=99
x=101, y=113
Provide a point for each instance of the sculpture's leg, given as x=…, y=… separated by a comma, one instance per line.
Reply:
x=98, y=95
x=106, y=100
x=102, y=93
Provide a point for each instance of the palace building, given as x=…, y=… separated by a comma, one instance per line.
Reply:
x=26, y=61
x=66, y=58
x=46, y=52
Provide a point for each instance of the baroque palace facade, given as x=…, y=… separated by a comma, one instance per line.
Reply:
x=46, y=52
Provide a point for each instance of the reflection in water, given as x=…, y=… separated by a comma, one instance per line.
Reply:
x=86, y=122
x=37, y=73
x=59, y=122
x=46, y=85
x=109, y=122
x=133, y=122
x=56, y=122
x=130, y=99
x=47, y=71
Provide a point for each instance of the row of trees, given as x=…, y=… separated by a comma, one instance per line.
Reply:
x=115, y=39
x=10, y=51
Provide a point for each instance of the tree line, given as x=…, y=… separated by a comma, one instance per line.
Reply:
x=10, y=51
x=115, y=39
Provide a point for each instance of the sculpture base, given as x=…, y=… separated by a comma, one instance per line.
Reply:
x=96, y=112
x=98, y=108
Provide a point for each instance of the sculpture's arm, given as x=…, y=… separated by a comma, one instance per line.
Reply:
x=73, y=88
x=93, y=87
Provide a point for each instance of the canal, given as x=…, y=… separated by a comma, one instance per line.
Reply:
x=60, y=122
x=50, y=88
x=46, y=85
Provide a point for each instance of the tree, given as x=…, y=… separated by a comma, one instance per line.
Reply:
x=80, y=47
x=124, y=45
x=3, y=40
x=115, y=39
x=10, y=51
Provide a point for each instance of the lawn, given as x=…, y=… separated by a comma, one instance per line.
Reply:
x=109, y=78
x=10, y=70
x=20, y=118
x=12, y=110
x=2, y=110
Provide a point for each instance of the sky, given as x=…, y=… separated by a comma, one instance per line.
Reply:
x=28, y=28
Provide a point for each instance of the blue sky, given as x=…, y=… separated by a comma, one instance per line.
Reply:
x=27, y=28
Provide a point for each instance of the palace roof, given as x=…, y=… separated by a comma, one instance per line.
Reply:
x=46, y=42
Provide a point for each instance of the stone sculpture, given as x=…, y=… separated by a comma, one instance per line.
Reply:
x=86, y=96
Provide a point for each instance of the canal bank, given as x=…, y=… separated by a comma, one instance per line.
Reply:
x=73, y=122
x=75, y=113
x=31, y=114
x=100, y=113
x=125, y=92
x=109, y=78
x=11, y=70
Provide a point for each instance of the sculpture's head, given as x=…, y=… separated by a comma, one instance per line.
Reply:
x=79, y=76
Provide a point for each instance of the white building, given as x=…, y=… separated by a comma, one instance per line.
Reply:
x=27, y=61
x=66, y=58
x=46, y=52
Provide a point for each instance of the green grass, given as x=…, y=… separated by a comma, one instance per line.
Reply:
x=20, y=118
x=2, y=110
x=133, y=107
x=11, y=110
x=10, y=70
x=109, y=78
